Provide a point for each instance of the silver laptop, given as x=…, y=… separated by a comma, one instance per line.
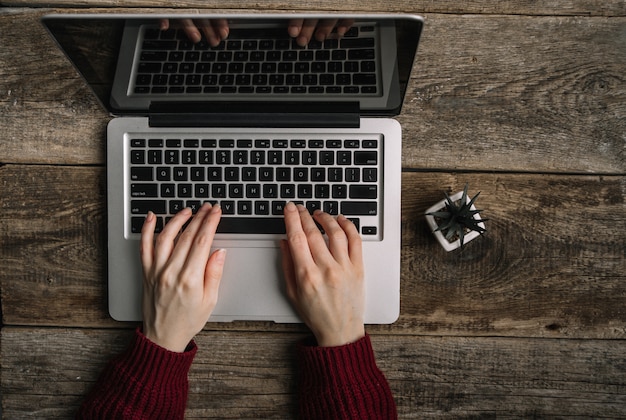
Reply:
x=251, y=124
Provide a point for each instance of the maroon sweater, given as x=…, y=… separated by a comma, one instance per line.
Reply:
x=150, y=382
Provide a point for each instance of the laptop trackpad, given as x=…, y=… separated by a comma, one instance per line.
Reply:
x=253, y=287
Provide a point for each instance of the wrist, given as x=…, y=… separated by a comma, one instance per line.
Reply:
x=340, y=338
x=167, y=343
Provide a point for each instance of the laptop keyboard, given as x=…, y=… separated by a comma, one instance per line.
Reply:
x=257, y=62
x=252, y=178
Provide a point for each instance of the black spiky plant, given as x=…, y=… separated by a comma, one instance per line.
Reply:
x=458, y=217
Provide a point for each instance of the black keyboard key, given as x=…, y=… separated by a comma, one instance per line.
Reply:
x=262, y=208
x=228, y=207
x=144, y=190
x=370, y=175
x=144, y=206
x=305, y=191
x=322, y=191
x=180, y=174
x=370, y=144
x=270, y=190
x=251, y=225
x=244, y=207
x=353, y=175
x=159, y=45
x=138, y=157
x=185, y=190
x=155, y=157
x=176, y=206
x=331, y=207
x=311, y=206
x=253, y=191
x=357, y=43
x=364, y=79
x=365, y=158
x=136, y=223
x=359, y=208
x=235, y=191
x=363, y=192
x=141, y=174
x=194, y=205
x=202, y=190
x=278, y=208
x=219, y=190
x=168, y=190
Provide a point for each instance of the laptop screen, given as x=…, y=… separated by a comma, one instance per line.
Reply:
x=134, y=63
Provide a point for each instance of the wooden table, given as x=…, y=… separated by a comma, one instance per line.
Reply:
x=524, y=101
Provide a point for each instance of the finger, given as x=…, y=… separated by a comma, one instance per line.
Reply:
x=164, y=24
x=213, y=274
x=306, y=32
x=355, y=245
x=294, y=27
x=337, y=239
x=147, y=242
x=344, y=26
x=212, y=37
x=165, y=240
x=221, y=27
x=288, y=270
x=296, y=238
x=191, y=30
x=317, y=244
x=186, y=239
x=202, y=240
x=324, y=28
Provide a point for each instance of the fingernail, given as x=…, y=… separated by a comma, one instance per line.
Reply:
x=216, y=208
x=150, y=216
x=294, y=31
x=221, y=255
x=290, y=206
x=301, y=208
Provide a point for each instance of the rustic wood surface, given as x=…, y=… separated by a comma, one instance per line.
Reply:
x=525, y=101
x=438, y=377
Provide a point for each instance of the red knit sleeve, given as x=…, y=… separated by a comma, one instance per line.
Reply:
x=146, y=381
x=343, y=383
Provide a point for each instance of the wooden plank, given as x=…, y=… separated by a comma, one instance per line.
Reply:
x=525, y=7
x=47, y=372
x=518, y=94
x=552, y=263
x=503, y=93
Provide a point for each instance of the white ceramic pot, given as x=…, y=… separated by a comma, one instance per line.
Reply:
x=450, y=246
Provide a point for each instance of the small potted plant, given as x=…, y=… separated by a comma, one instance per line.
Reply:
x=455, y=221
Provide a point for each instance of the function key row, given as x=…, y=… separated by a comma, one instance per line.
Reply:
x=249, y=143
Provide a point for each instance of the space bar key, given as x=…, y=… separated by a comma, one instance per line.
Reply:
x=252, y=225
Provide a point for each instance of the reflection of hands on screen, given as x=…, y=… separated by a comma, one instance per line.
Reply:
x=302, y=30
x=214, y=30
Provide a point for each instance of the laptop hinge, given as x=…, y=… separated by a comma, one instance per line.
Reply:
x=255, y=114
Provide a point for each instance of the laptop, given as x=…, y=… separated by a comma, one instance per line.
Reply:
x=251, y=123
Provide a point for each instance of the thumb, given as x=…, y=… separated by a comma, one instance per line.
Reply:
x=213, y=271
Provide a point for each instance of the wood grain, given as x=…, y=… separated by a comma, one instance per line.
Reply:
x=489, y=93
x=47, y=372
x=524, y=7
x=525, y=101
x=551, y=264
